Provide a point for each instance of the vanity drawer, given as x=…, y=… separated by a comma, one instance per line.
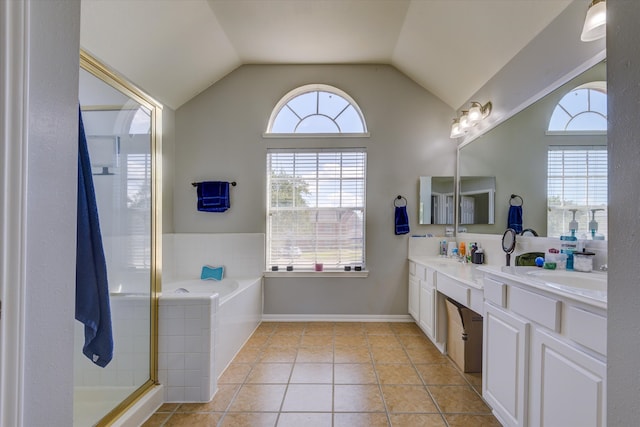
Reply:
x=586, y=328
x=453, y=289
x=495, y=291
x=539, y=308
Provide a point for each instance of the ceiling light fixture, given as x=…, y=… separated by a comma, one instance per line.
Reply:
x=595, y=24
x=470, y=118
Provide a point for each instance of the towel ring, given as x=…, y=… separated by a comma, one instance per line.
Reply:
x=515, y=196
x=395, y=201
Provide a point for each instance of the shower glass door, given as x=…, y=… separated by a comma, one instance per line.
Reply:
x=120, y=123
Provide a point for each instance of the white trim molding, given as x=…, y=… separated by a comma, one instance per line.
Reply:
x=14, y=27
x=337, y=318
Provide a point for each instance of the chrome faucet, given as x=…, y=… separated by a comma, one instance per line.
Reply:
x=604, y=267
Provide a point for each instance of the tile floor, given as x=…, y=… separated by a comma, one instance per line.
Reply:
x=332, y=374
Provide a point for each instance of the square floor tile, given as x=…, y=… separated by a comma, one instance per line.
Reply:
x=317, y=341
x=407, y=398
x=279, y=354
x=270, y=373
x=397, y=374
x=389, y=355
x=440, y=374
x=351, y=341
x=194, y=419
x=315, y=355
x=258, y=398
x=312, y=373
x=308, y=398
x=359, y=419
x=304, y=419
x=235, y=373
x=352, y=355
x=357, y=398
x=458, y=399
x=463, y=420
x=249, y=419
x=354, y=373
x=421, y=420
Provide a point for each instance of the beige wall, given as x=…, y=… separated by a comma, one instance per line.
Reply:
x=623, y=345
x=219, y=137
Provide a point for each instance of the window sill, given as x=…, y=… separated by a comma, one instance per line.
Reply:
x=316, y=274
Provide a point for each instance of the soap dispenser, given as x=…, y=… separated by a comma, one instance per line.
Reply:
x=573, y=224
x=593, y=225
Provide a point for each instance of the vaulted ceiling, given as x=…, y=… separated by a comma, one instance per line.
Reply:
x=174, y=49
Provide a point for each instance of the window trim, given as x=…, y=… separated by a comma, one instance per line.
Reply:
x=314, y=88
x=595, y=86
x=310, y=272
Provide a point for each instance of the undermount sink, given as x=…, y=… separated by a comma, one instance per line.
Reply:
x=574, y=279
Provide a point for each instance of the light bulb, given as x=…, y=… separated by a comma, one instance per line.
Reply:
x=595, y=23
x=464, y=120
x=475, y=113
x=456, y=132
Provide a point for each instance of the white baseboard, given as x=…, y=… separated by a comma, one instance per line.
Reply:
x=336, y=318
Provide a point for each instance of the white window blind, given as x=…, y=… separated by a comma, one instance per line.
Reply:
x=316, y=208
x=576, y=179
x=139, y=209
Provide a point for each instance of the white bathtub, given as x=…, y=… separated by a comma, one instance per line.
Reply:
x=236, y=313
x=224, y=288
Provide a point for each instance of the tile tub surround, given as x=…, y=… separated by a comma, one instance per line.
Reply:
x=186, y=341
x=184, y=254
x=337, y=374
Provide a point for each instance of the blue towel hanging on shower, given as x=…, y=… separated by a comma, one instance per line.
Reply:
x=213, y=196
x=92, y=289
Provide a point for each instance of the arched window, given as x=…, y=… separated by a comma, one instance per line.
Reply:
x=584, y=109
x=317, y=109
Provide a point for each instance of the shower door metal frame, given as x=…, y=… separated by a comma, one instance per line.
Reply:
x=113, y=79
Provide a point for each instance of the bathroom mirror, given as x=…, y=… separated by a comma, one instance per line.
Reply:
x=477, y=200
x=436, y=200
x=516, y=153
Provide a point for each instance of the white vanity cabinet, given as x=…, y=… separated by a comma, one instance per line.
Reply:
x=544, y=356
x=414, y=291
x=425, y=306
x=505, y=363
x=569, y=387
x=427, y=310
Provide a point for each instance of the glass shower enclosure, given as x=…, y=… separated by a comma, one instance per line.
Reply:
x=120, y=124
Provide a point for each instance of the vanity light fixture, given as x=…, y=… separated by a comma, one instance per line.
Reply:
x=595, y=24
x=470, y=118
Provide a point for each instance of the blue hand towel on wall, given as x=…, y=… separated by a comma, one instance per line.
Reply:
x=213, y=196
x=515, y=218
x=92, y=289
x=402, y=220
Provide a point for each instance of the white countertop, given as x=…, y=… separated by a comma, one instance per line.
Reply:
x=596, y=298
x=472, y=274
x=464, y=272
